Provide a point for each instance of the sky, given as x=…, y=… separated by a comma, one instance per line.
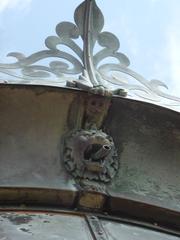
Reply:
x=148, y=30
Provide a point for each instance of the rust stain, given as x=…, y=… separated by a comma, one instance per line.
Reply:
x=16, y=219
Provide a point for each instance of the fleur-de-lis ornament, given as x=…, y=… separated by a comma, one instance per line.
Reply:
x=82, y=67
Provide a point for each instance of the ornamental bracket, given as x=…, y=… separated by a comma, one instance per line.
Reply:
x=89, y=153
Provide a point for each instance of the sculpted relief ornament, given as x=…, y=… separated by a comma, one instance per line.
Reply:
x=88, y=152
x=91, y=154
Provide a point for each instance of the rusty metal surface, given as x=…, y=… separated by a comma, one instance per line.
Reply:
x=37, y=196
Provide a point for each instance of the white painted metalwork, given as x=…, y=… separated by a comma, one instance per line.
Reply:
x=82, y=67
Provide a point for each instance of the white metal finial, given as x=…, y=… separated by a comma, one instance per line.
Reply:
x=83, y=68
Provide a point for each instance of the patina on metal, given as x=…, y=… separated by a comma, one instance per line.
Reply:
x=32, y=172
x=36, y=225
x=110, y=162
x=96, y=228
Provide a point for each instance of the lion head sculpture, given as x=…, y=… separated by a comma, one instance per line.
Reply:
x=90, y=155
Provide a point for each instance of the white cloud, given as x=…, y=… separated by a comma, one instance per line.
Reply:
x=174, y=55
x=11, y=4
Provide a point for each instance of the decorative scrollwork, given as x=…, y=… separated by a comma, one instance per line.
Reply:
x=81, y=67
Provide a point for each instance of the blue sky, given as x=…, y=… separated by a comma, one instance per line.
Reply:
x=149, y=31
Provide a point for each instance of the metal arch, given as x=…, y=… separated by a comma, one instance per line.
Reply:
x=83, y=65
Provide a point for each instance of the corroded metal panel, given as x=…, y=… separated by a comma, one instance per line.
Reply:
x=119, y=231
x=148, y=139
x=66, y=226
x=87, y=151
x=32, y=122
x=33, y=226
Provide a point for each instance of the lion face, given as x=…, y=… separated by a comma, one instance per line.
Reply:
x=90, y=155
